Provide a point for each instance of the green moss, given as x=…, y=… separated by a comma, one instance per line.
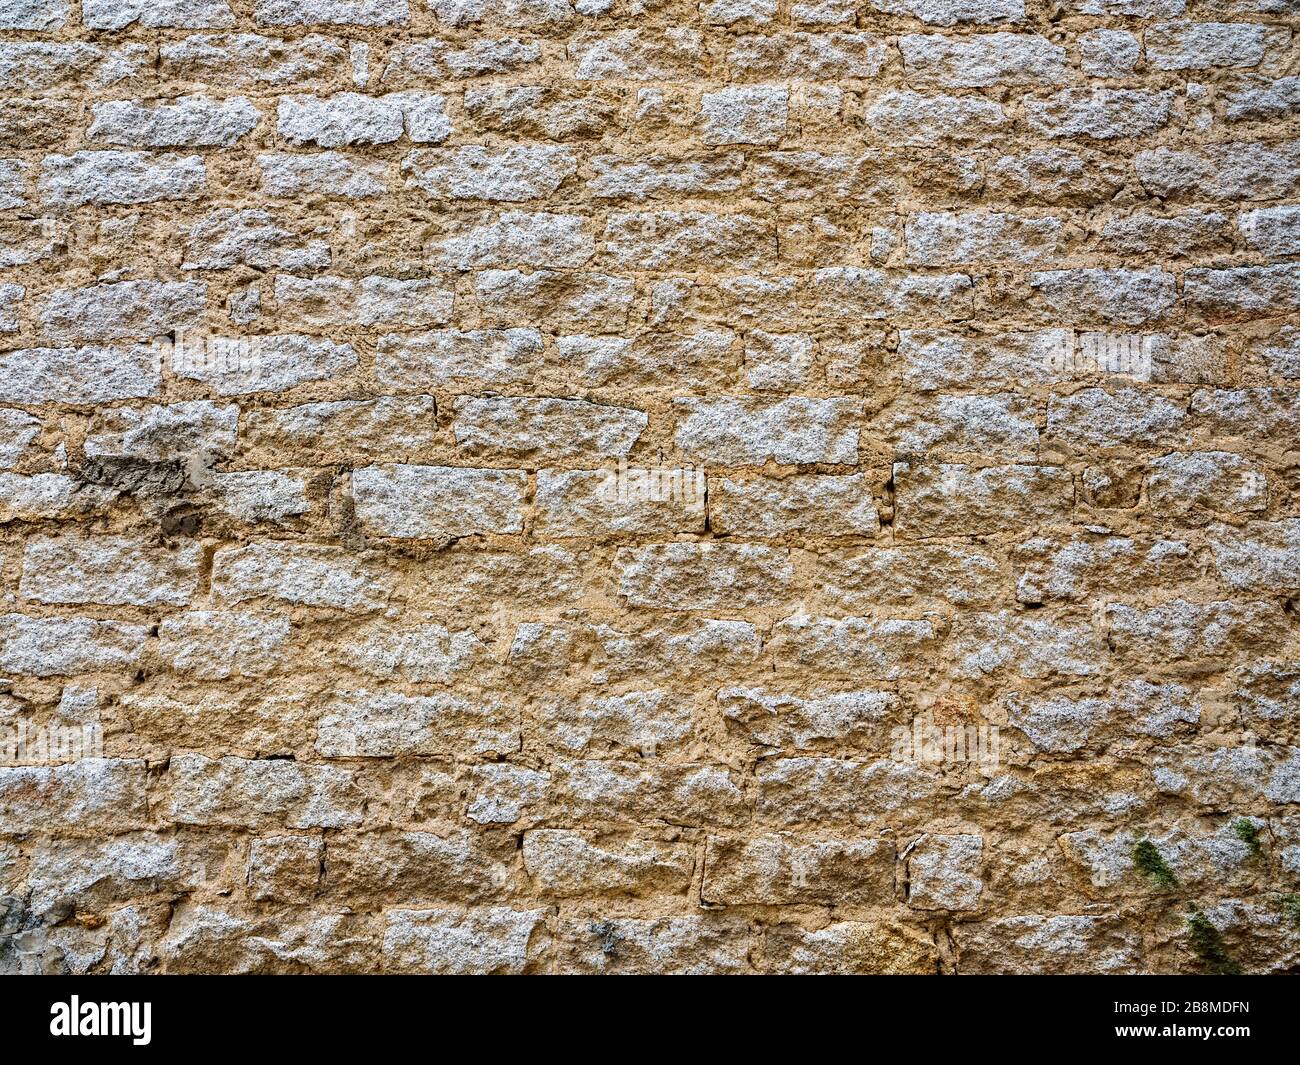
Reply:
x=1249, y=835
x=1291, y=907
x=1151, y=865
x=1208, y=946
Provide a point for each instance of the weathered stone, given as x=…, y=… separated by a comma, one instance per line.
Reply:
x=438, y=502
x=349, y=119
x=518, y=238
x=661, y=177
x=598, y=502
x=945, y=872
x=115, y=177
x=851, y=294
x=562, y=299
x=947, y=239
x=949, y=499
x=322, y=174
x=362, y=429
x=1003, y=425
x=416, y=62
x=275, y=363
x=1260, y=558
x=34, y=14
x=568, y=864
x=92, y=796
x=658, y=946
x=752, y=115
x=689, y=793
x=1102, y=114
x=1128, y=417
x=638, y=723
x=84, y=375
x=808, y=56
x=847, y=948
x=1184, y=630
x=744, y=432
x=190, y=121
x=649, y=359
x=802, y=791
x=419, y=361
x=1275, y=231
x=707, y=644
x=1215, y=480
x=111, y=570
x=185, y=14
x=369, y=302
x=429, y=652
x=230, y=237
x=788, y=721
x=1076, y=568
x=687, y=576
x=476, y=942
x=817, y=506
x=260, y=495
x=1132, y=297
x=205, y=939
x=1028, y=645
x=920, y=119
x=1040, y=944
x=653, y=240
x=285, y=868
x=779, y=869
x=299, y=573
x=1243, y=290
x=128, y=310
x=1228, y=171
x=248, y=59
x=981, y=60
x=965, y=576
x=1179, y=46
x=365, y=724
x=951, y=12
x=861, y=645
x=43, y=496
x=50, y=647
x=216, y=644
x=255, y=793
x=640, y=55
x=1109, y=53
x=332, y=13
x=475, y=173
x=550, y=429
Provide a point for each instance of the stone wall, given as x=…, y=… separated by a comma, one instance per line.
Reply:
x=616, y=486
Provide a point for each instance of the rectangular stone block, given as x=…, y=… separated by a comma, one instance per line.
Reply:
x=619, y=499
x=260, y=793
x=777, y=869
x=808, y=504
x=439, y=503
x=306, y=574
x=951, y=499
x=109, y=570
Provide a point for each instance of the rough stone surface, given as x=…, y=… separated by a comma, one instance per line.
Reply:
x=711, y=486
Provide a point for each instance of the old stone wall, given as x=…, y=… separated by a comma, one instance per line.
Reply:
x=615, y=486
